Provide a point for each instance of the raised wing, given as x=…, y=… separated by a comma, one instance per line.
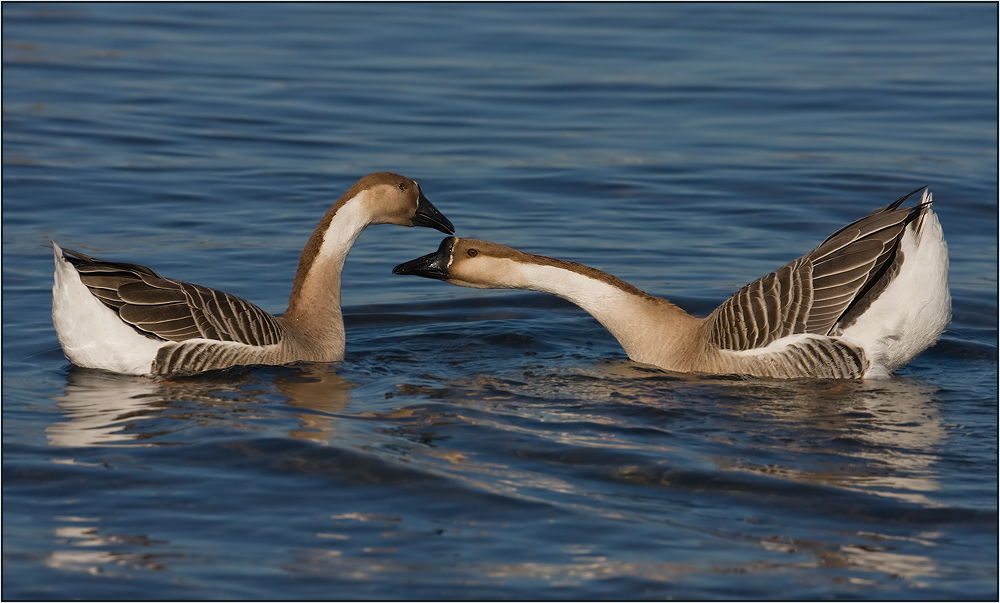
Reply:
x=821, y=293
x=173, y=310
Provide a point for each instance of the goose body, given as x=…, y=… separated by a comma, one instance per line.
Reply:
x=127, y=318
x=865, y=302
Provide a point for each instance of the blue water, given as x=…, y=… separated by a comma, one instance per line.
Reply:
x=486, y=444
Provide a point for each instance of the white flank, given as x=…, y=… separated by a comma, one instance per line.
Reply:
x=91, y=334
x=915, y=308
x=778, y=346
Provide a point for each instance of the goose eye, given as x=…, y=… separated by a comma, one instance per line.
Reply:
x=402, y=186
x=472, y=253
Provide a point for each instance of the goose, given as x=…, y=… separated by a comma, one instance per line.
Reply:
x=862, y=304
x=128, y=319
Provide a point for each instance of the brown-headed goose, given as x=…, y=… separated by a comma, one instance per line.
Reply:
x=128, y=319
x=862, y=304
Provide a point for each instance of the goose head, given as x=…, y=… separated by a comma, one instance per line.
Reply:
x=394, y=199
x=469, y=263
x=378, y=198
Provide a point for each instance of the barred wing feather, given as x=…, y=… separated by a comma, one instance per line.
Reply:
x=172, y=310
x=822, y=292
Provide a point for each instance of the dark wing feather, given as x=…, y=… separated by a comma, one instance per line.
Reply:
x=172, y=310
x=822, y=292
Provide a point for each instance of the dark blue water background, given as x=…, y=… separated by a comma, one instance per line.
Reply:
x=483, y=443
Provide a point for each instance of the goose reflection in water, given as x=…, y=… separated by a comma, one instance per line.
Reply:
x=108, y=408
x=891, y=427
x=84, y=537
x=870, y=422
x=873, y=438
x=879, y=439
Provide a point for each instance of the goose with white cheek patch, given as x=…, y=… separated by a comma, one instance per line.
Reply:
x=864, y=303
x=128, y=319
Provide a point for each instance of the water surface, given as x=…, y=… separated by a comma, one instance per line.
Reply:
x=485, y=444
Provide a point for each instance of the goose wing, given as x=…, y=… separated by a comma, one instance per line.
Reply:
x=173, y=310
x=820, y=293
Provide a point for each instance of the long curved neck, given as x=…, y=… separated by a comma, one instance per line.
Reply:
x=648, y=328
x=314, y=305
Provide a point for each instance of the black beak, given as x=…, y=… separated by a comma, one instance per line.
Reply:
x=428, y=215
x=432, y=265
